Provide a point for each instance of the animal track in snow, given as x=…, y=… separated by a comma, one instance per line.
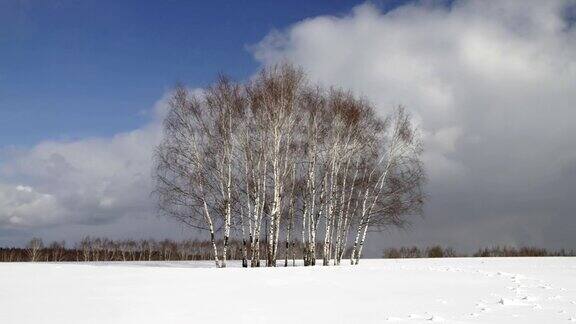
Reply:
x=395, y=319
x=435, y=319
x=511, y=302
x=530, y=298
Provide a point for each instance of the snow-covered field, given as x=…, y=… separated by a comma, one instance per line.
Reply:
x=468, y=290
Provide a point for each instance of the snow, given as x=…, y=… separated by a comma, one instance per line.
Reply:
x=460, y=290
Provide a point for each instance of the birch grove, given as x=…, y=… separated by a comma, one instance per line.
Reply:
x=278, y=158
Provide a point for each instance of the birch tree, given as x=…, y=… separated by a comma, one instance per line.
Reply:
x=394, y=182
x=185, y=177
x=274, y=98
x=34, y=249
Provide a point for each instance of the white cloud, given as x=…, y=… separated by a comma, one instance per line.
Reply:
x=24, y=206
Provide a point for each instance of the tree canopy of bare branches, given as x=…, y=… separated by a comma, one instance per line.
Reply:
x=281, y=156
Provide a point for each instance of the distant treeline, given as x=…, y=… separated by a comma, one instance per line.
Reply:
x=103, y=249
x=438, y=251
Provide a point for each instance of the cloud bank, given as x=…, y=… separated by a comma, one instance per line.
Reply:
x=491, y=85
x=93, y=186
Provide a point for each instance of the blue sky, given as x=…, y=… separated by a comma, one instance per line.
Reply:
x=75, y=69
